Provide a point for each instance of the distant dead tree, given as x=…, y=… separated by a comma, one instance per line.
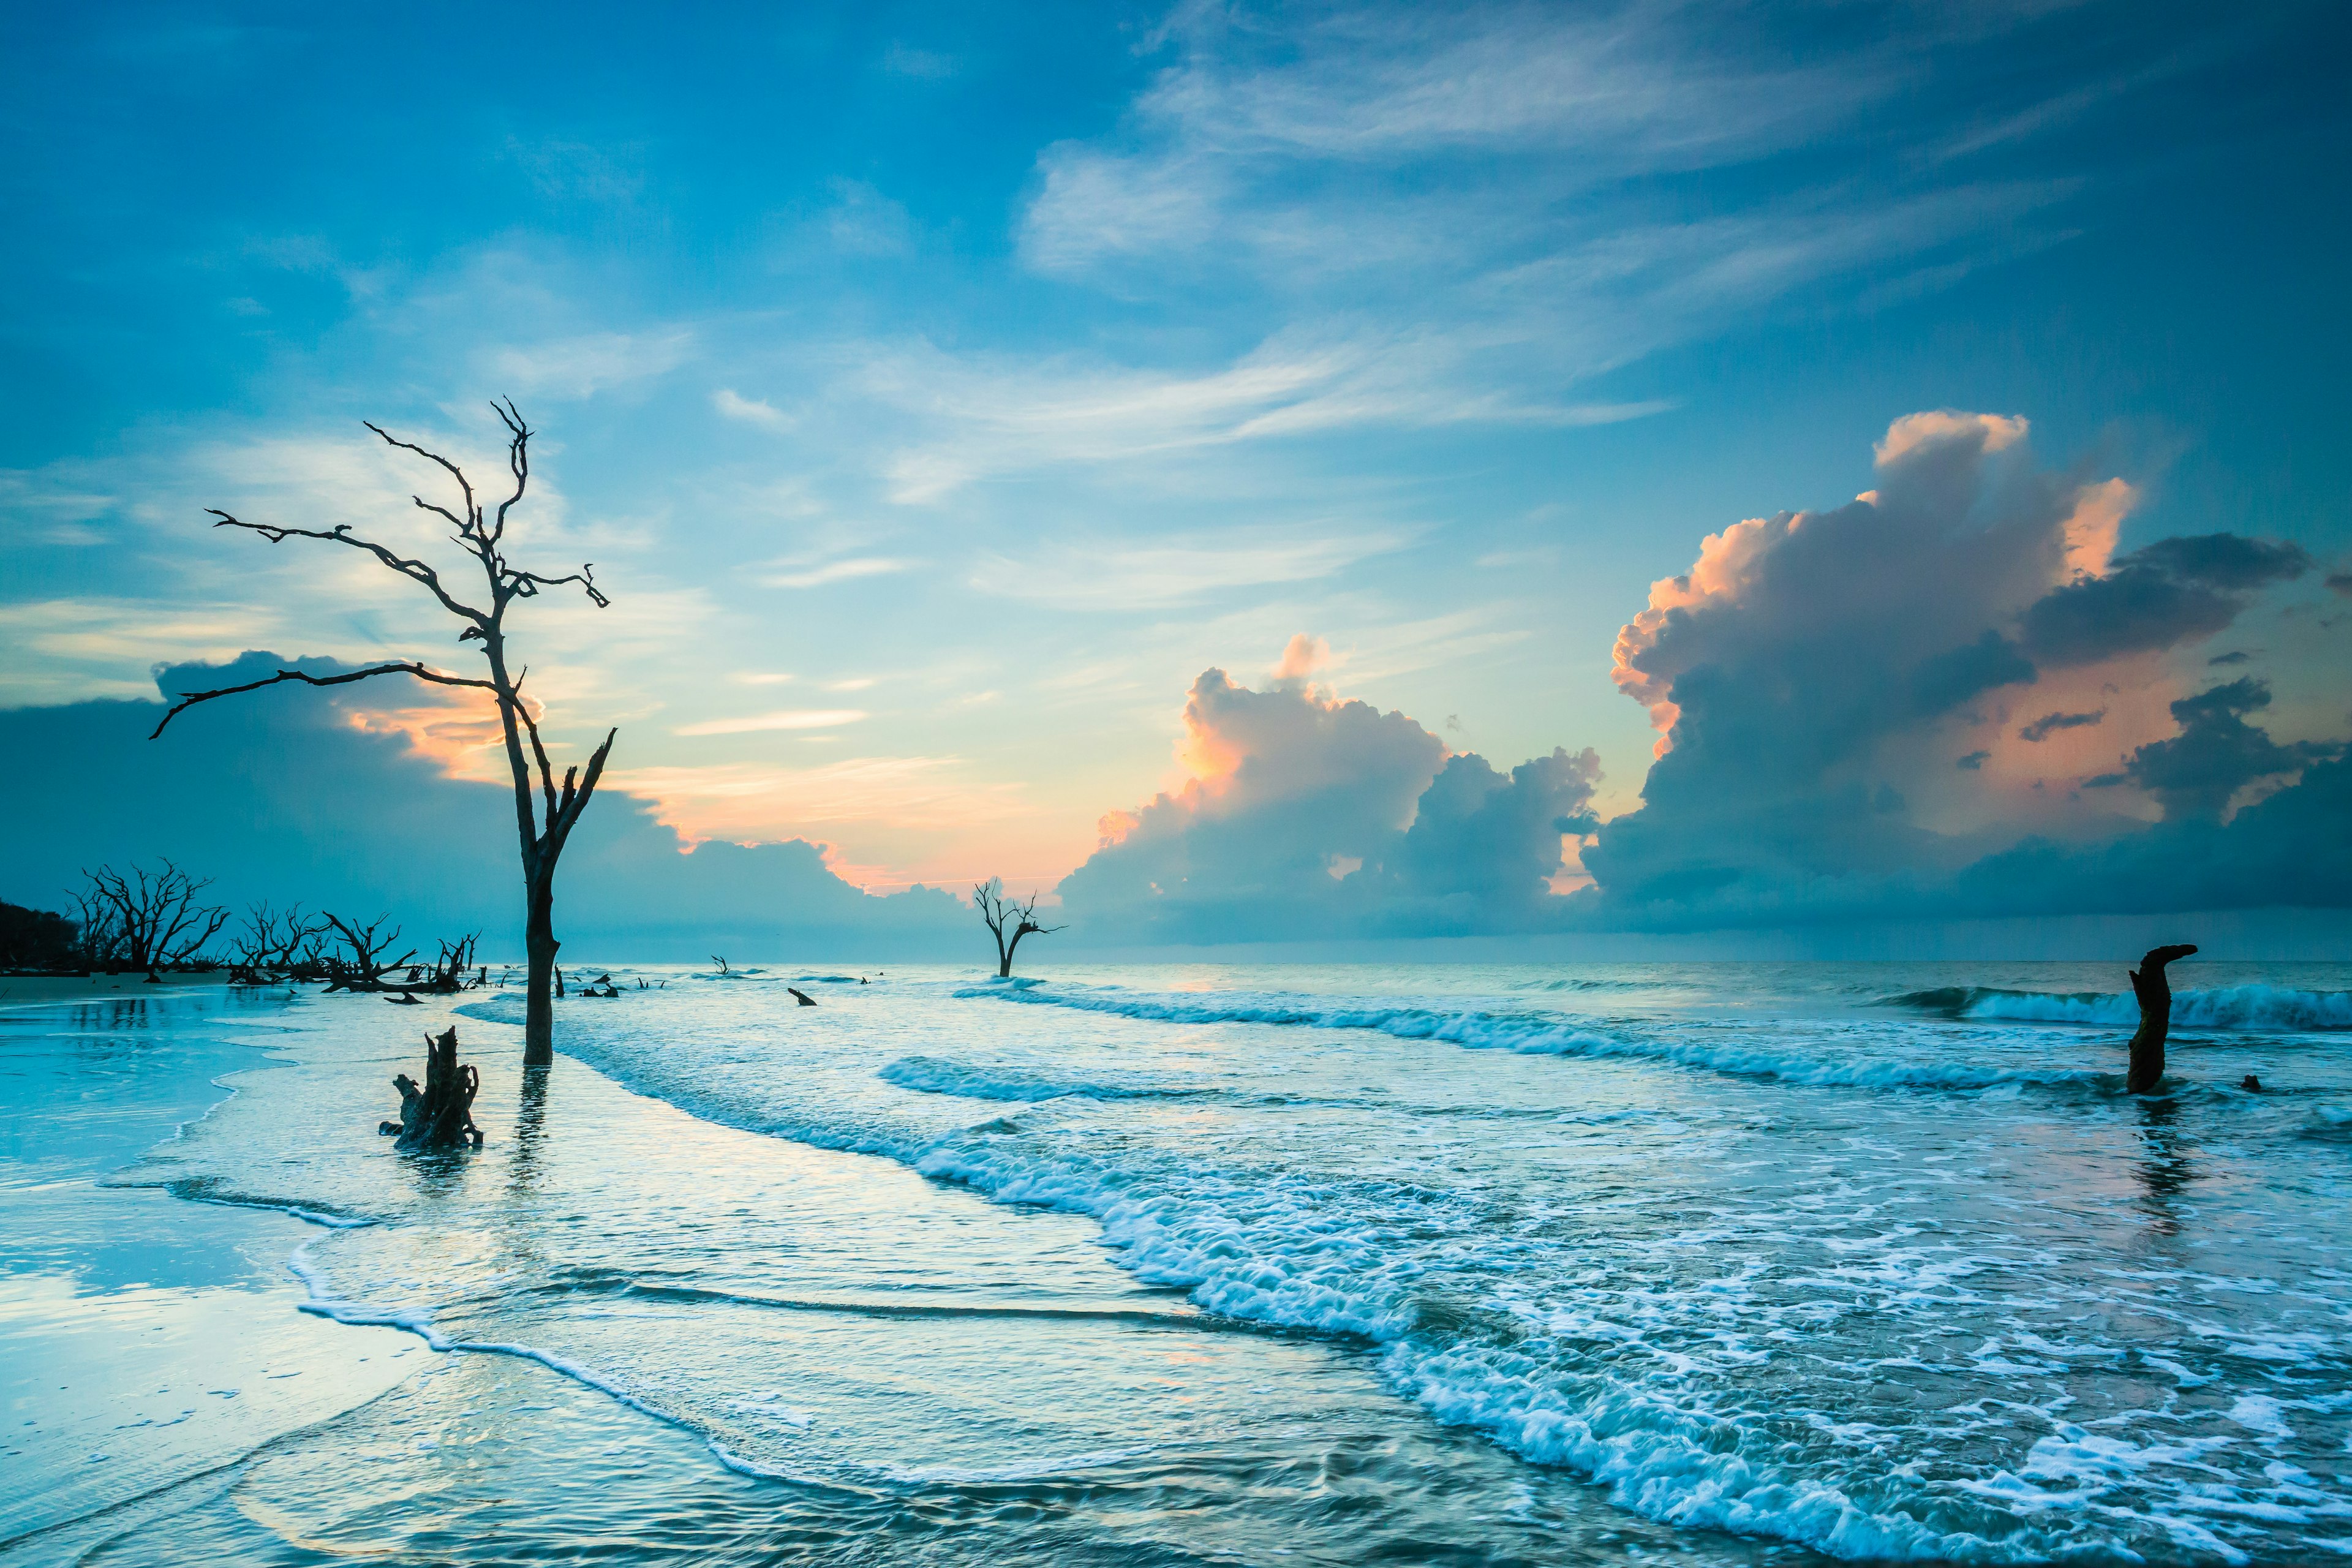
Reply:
x=545, y=828
x=273, y=943
x=366, y=965
x=1008, y=920
x=146, y=920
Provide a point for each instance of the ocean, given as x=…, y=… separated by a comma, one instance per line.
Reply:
x=1714, y=1263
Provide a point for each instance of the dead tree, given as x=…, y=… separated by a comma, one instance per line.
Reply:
x=367, y=944
x=273, y=943
x=448, y=971
x=148, y=920
x=1008, y=920
x=2155, y=994
x=440, y=1114
x=543, y=827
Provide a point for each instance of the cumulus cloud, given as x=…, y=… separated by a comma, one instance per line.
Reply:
x=1308, y=814
x=2217, y=753
x=1833, y=689
x=2174, y=590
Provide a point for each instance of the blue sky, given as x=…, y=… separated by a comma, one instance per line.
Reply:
x=940, y=391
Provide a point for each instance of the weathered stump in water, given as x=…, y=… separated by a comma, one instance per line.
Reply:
x=439, y=1115
x=2155, y=994
x=801, y=996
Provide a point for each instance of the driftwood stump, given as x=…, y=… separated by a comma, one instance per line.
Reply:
x=2155, y=994
x=440, y=1114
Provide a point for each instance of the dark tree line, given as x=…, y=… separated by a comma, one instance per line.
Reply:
x=148, y=922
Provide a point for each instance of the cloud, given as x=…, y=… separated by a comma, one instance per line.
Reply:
x=1492, y=208
x=584, y=365
x=1309, y=814
x=864, y=222
x=1594, y=97
x=1105, y=576
x=732, y=404
x=2171, y=592
x=2049, y=725
x=265, y=792
x=2217, y=752
x=1834, y=689
x=785, y=719
x=837, y=571
x=993, y=414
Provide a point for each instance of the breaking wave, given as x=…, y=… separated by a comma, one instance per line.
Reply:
x=2223, y=1007
x=1536, y=1035
x=934, y=1075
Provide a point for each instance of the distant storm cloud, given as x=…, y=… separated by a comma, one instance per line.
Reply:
x=1306, y=814
x=2172, y=591
x=266, y=791
x=1824, y=683
x=2217, y=753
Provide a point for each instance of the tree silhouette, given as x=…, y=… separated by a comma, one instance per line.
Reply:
x=1008, y=920
x=147, y=919
x=543, y=827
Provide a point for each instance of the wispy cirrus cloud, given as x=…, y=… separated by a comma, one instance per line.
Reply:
x=732, y=404
x=583, y=365
x=797, y=575
x=785, y=719
x=984, y=417
x=1111, y=576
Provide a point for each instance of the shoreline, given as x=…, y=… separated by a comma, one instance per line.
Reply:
x=21, y=991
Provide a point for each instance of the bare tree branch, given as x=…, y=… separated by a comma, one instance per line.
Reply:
x=527, y=584
x=464, y=485
x=414, y=571
x=410, y=667
x=517, y=464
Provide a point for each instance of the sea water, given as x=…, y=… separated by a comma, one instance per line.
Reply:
x=1214, y=1263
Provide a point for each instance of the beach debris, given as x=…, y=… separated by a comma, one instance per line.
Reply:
x=2155, y=994
x=721, y=963
x=405, y=999
x=440, y=1114
x=801, y=996
x=362, y=965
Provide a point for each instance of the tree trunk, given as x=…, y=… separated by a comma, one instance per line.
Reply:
x=2155, y=994
x=540, y=943
x=440, y=1114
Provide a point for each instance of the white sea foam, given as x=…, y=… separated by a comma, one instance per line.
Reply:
x=1536, y=1035
x=2252, y=1006
x=1714, y=1380
x=933, y=1075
